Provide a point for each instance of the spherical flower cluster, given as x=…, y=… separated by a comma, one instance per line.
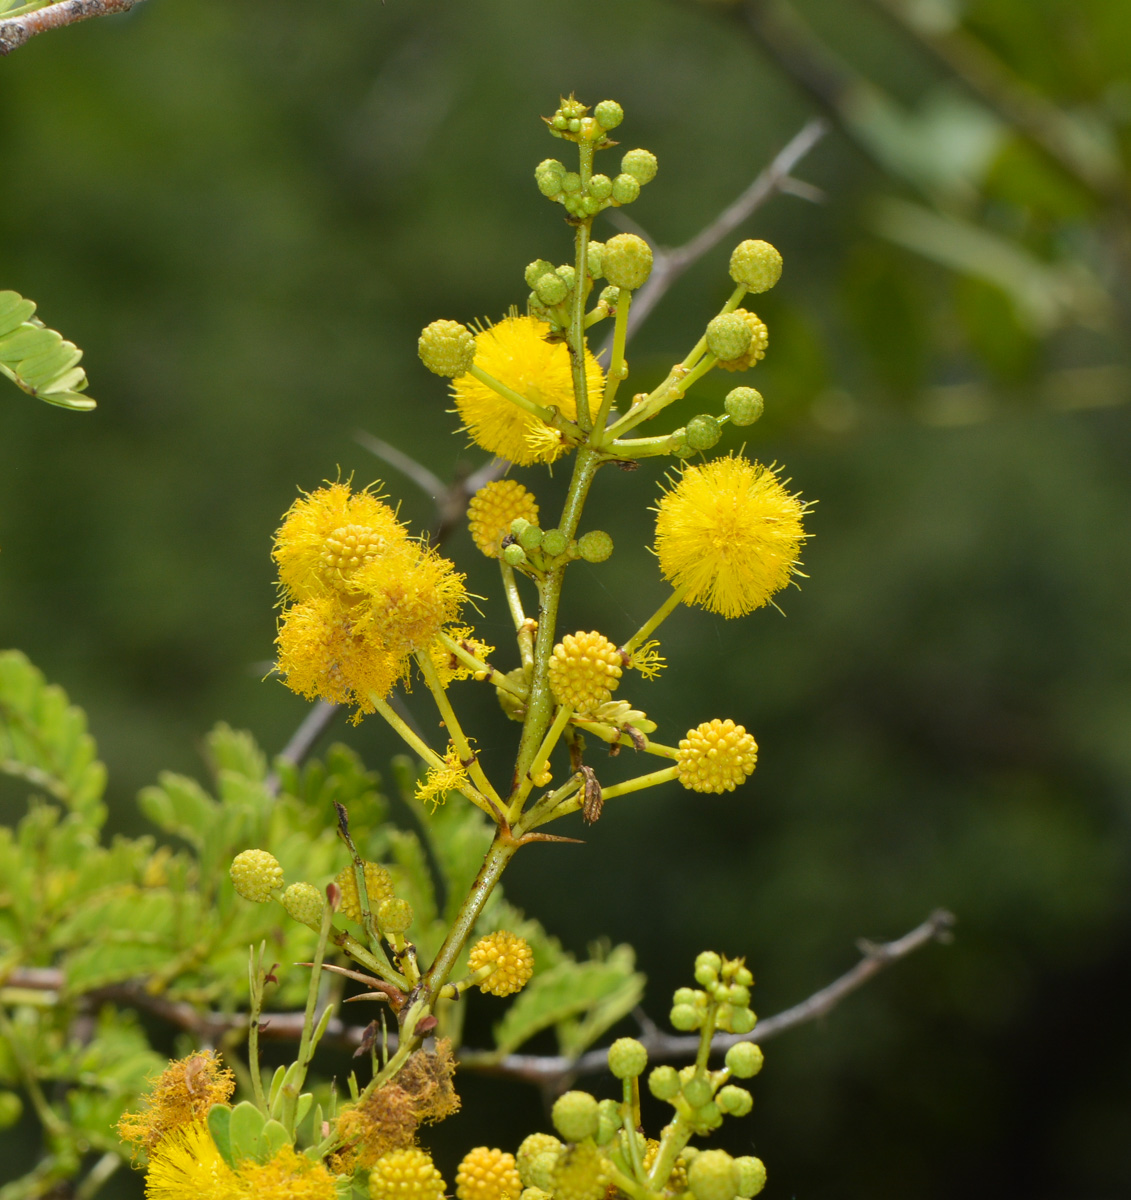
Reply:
x=580, y=1173
x=756, y=348
x=716, y=757
x=364, y=596
x=536, y=1148
x=517, y=354
x=447, y=348
x=756, y=265
x=493, y=509
x=187, y=1163
x=486, y=1174
x=585, y=669
x=286, y=1175
x=304, y=902
x=731, y=534
x=627, y=261
x=256, y=874
x=405, y=1175
x=513, y=959
x=378, y=887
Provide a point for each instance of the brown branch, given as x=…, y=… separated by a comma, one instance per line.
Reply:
x=15, y=31
x=553, y=1072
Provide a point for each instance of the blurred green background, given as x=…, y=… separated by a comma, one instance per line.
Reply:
x=245, y=214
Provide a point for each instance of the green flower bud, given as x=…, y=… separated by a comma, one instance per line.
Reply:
x=554, y=542
x=742, y=976
x=514, y=555
x=707, y=967
x=540, y=1170
x=708, y=1117
x=548, y=175
x=610, y=296
x=11, y=1109
x=594, y=256
x=551, y=288
x=682, y=449
x=576, y=206
x=685, y=1018
x=518, y=525
x=734, y=1101
x=627, y=1058
x=590, y=129
x=536, y=270
x=530, y=538
x=686, y=995
x=742, y=1020
x=728, y=336
x=532, y=1145
x=744, y=406
x=713, y=1176
x=744, y=1060
x=738, y=996
x=394, y=916
x=575, y=1116
x=571, y=183
x=609, y=114
x=703, y=432
x=559, y=120
x=600, y=187
x=627, y=260
x=756, y=265
x=256, y=874
x=567, y=275
x=625, y=189
x=595, y=546
x=608, y=1122
x=304, y=902
x=575, y=125
x=751, y=1175
x=572, y=108
x=641, y=165
x=723, y=1017
x=663, y=1083
x=698, y=1091
x=447, y=348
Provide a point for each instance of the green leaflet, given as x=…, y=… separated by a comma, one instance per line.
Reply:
x=38, y=360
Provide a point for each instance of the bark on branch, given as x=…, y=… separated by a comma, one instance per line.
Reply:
x=14, y=31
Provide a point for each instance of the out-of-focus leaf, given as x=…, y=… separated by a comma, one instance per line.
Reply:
x=37, y=359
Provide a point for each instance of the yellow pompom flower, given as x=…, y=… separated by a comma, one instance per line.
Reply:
x=486, y=1174
x=451, y=668
x=513, y=959
x=186, y=1165
x=492, y=510
x=434, y=787
x=759, y=341
x=180, y=1096
x=585, y=669
x=378, y=887
x=287, y=1175
x=405, y=1175
x=517, y=354
x=731, y=534
x=331, y=649
x=716, y=757
x=327, y=535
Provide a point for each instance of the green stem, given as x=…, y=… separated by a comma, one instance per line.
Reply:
x=293, y=1088
x=577, y=308
x=488, y=672
x=528, y=406
x=526, y=784
x=617, y=369
x=514, y=600
x=656, y=619
x=255, y=965
x=641, y=782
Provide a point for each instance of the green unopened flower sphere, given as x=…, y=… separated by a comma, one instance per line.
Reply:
x=728, y=336
x=548, y=175
x=626, y=188
x=304, y=902
x=535, y=271
x=256, y=874
x=571, y=183
x=744, y=1060
x=751, y=1175
x=744, y=405
x=609, y=296
x=708, y=964
x=594, y=546
x=551, y=288
x=594, y=259
x=641, y=165
x=575, y=1116
x=685, y=1018
x=530, y=537
x=756, y=265
x=600, y=187
x=533, y=1146
x=514, y=555
x=627, y=260
x=697, y=1091
x=608, y=114
x=581, y=1173
x=713, y=1176
x=627, y=1058
x=742, y=1020
x=554, y=542
x=395, y=915
x=703, y=432
x=734, y=1101
x=447, y=348
x=663, y=1083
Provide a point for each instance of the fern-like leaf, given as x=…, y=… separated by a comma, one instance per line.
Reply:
x=38, y=360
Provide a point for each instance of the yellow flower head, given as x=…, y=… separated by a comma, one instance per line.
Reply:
x=486, y=1174
x=580, y=1173
x=406, y=1175
x=185, y=1165
x=585, y=669
x=513, y=959
x=287, y=1175
x=492, y=510
x=327, y=535
x=716, y=757
x=448, y=666
x=731, y=534
x=434, y=787
x=516, y=353
x=329, y=648
x=180, y=1096
x=759, y=340
x=378, y=887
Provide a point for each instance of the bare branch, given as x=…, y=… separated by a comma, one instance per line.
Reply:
x=431, y=485
x=669, y=265
x=15, y=31
x=552, y=1072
